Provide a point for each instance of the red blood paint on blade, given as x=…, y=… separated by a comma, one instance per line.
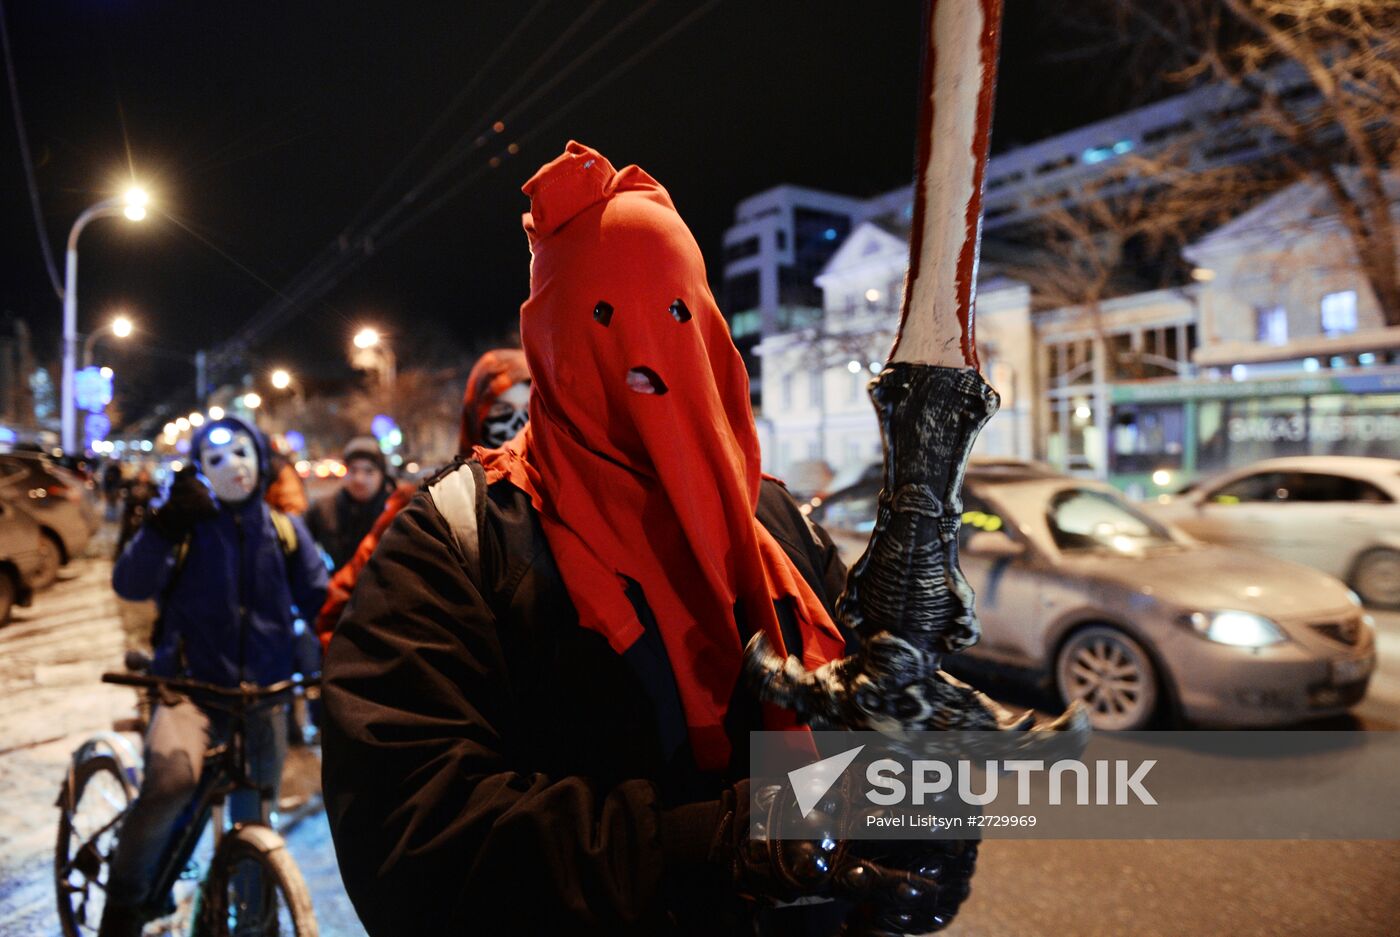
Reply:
x=969, y=252
x=972, y=240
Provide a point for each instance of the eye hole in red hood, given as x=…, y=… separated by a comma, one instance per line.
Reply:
x=602, y=313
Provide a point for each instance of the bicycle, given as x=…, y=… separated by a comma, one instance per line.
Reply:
x=252, y=885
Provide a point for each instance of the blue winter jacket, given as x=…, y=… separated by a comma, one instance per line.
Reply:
x=229, y=615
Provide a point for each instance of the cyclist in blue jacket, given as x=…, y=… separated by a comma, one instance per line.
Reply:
x=231, y=577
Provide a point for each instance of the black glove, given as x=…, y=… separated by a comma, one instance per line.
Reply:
x=188, y=502
x=907, y=887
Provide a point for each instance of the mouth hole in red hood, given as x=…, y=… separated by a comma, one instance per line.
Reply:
x=643, y=380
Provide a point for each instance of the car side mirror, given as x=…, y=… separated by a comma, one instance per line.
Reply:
x=993, y=543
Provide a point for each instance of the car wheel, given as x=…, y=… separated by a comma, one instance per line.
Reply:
x=1376, y=578
x=50, y=559
x=1111, y=674
x=7, y=596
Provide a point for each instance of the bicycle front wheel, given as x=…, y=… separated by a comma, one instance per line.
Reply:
x=255, y=889
x=92, y=805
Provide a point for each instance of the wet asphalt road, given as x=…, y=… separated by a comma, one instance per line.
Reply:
x=52, y=654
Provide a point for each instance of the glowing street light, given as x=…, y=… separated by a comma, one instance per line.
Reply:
x=133, y=205
x=252, y=401
x=182, y=424
x=121, y=327
x=134, y=202
x=281, y=379
x=366, y=338
x=196, y=418
x=216, y=413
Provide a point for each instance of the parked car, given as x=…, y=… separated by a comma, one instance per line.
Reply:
x=20, y=558
x=1079, y=588
x=1339, y=514
x=60, y=502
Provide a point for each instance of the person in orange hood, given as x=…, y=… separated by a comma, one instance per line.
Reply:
x=494, y=408
x=536, y=721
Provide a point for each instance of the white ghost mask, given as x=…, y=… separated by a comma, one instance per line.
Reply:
x=507, y=416
x=229, y=458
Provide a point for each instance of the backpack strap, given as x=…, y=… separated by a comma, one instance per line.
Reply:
x=286, y=532
x=459, y=496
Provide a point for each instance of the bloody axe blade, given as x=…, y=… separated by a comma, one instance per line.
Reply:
x=905, y=598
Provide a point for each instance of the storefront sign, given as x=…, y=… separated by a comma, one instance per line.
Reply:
x=1179, y=391
x=1327, y=428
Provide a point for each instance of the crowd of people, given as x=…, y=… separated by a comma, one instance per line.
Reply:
x=534, y=718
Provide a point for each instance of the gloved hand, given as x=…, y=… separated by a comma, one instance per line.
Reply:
x=908, y=887
x=188, y=501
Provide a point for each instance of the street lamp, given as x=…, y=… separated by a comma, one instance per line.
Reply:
x=281, y=379
x=132, y=204
x=252, y=401
x=121, y=327
x=374, y=352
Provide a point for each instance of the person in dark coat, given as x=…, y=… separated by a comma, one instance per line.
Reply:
x=230, y=578
x=535, y=718
x=340, y=521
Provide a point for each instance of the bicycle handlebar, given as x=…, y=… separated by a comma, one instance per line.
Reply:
x=246, y=691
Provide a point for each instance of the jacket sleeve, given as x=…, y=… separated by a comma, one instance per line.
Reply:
x=440, y=824
x=143, y=567
x=308, y=574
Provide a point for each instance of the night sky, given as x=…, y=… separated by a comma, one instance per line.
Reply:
x=265, y=130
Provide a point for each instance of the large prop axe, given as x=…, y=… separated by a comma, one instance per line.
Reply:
x=906, y=599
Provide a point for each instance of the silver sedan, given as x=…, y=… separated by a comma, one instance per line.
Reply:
x=1134, y=617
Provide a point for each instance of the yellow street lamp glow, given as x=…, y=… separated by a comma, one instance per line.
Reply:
x=281, y=379
x=1161, y=478
x=105, y=372
x=366, y=338
x=182, y=424
x=252, y=401
x=135, y=201
x=170, y=429
x=122, y=327
x=216, y=413
x=196, y=419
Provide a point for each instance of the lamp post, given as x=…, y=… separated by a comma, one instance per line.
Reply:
x=121, y=327
x=133, y=205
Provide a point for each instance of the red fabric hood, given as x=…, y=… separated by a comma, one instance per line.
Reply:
x=659, y=488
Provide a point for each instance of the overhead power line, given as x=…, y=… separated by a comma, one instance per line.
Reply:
x=44, y=246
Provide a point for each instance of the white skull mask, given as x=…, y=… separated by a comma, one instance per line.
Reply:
x=507, y=416
x=229, y=458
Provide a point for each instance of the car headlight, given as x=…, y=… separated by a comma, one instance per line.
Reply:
x=1237, y=629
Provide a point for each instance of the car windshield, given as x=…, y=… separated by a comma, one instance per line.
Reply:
x=1082, y=519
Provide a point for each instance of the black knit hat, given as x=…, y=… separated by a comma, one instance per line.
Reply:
x=365, y=447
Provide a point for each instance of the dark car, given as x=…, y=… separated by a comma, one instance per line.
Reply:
x=59, y=501
x=20, y=558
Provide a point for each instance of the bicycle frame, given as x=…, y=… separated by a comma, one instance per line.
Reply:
x=225, y=771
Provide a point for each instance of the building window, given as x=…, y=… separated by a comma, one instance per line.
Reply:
x=741, y=293
x=1339, y=313
x=787, y=391
x=748, y=247
x=856, y=385
x=744, y=324
x=814, y=388
x=1271, y=324
x=782, y=239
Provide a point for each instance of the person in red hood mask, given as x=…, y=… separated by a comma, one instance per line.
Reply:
x=494, y=409
x=536, y=723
